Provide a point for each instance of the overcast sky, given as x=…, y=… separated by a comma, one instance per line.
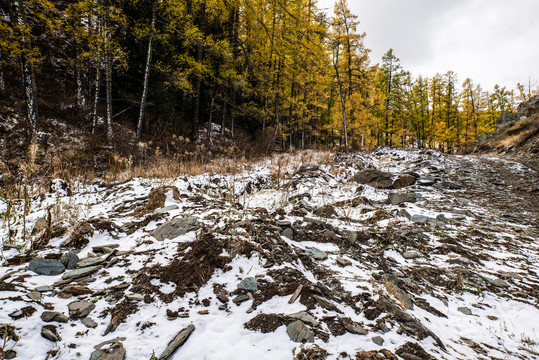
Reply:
x=490, y=41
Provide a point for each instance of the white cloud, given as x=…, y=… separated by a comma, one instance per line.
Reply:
x=490, y=41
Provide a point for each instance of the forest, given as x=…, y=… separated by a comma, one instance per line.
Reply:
x=284, y=72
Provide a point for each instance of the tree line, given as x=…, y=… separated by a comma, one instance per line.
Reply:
x=282, y=69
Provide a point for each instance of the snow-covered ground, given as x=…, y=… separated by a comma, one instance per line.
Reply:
x=463, y=280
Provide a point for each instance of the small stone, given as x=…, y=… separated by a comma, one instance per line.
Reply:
x=80, y=309
x=378, y=340
x=405, y=213
x=204, y=312
x=91, y=262
x=46, y=266
x=222, y=298
x=411, y=255
x=70, y=259
x=248, y=284
x=284, y=223
x=78, y=273
x=441, y=218
x=240, y=298
x=166, y=209
x=176, y=227
x=109, y=350
x=105, y=248
x=305, y=317
x=89, y=323
x=44, y=288
x=134, y=297
x=299, y=332
x=10, y=354
x=465, y=310
x=491, y=317
x=288, y=233
x=317, y=253
x=351, y=236
x=496, y=282
x=422, y=219
x=50, y=332
x=34, y=295
x=400, y=198
x=49, y=316
x=353, y=327
x=343, y=262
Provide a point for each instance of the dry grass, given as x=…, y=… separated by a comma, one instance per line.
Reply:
x=516, y=134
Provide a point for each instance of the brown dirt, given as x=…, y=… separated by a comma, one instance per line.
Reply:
x=383, y=354
x=264, y=323
x=314, y=353
x=189, y=273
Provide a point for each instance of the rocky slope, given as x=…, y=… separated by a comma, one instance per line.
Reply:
x=391, y=255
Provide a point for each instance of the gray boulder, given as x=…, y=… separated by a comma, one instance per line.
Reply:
x=46, y=266
x=49, y=316
x=80, y=309
x=530, y=107
x=375, y=178
x=78, y=273
x=176, y=227
x=109, y=350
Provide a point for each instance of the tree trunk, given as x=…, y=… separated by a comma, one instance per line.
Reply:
x=223, y=118
x=108, y=79
x=146, y=73
x=2, y=79
x=28, y=78
x=210, y=117
x=96, y=97
x=343, y=109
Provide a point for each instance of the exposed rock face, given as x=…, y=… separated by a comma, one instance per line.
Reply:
x=506, y=118
x=530, y=107
x=375, y=178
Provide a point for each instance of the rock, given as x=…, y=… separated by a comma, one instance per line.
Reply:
x=89, y=323
x=317, y=254
x=305, y=317
x=406, y=214
x=134, y=297
x=80, y=309
x=299, y=332
x=109, y=350
x=496, y=282
x=34, y=295
x=506, y=118
x=46, y=266
x=178, y=341
x=530, y=107
x=399, y=198
x=44, y=288
x=326, y=211
x=176, y=227
x=166, y=209
x=26, y=311
x=422, y=219
x=78, y=290
x=343, y=262
x=50, y=332
x=351, y=236
x=411, y=255
x=465, y=310
x=412, y=351
x=326, y=303
x=378, y=340
x=70, y=259
x=10, y=354
x=441, y=218
x=401, y=296
x=353, y=327
x=248, y=284
x=375, y=178
x=288, y=233
x=92, y=262
x=78, y=273
x=240, y=298
x=404, y=180
x=105, y=248
x=284, y=223
x=49, y=316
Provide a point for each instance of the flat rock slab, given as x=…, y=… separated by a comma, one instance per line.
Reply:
x=299, y=332
x=178, y=341
x=400, y=198
x=75, y=274
x=305, y=317
x=92, y=262
x=175, y=228
x=46, y=266
x=317, y=254
x=353, y=327
x=166, y=209
x=50, y=332
x=49, y=316
x=80, y=309
x=109, y=350
x=248, y=284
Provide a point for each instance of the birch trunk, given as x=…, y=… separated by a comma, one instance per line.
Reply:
x=96, y=97
x=108, y=80
x=2, y=79
x=28, y=77
x=146, y=73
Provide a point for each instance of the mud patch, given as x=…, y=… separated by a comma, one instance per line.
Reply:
x=264, y=323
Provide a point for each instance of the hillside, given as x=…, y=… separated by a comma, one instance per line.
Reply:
x=399, y=254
